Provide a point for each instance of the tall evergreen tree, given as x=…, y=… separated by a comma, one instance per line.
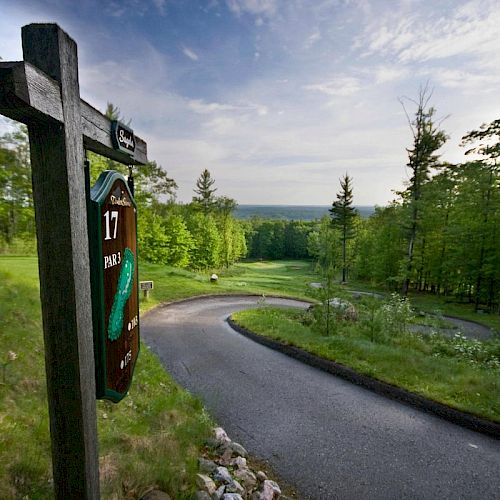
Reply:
x=427, y=139
x=205, y=192
x=342, y=214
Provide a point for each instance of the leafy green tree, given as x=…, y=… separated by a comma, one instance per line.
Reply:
x=179, y=241
x=486, y=143
x=342, y=214
x=224, y=208
x=323, y=245
x=152, y=239
x=379, y=246
x=206, y=197
x=295, y=244
x=427, y=139
x=205, y=253
x=17, y=219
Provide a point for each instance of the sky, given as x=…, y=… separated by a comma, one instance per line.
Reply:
x=278, y=99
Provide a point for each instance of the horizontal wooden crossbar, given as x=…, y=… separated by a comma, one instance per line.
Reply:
x=29, y=95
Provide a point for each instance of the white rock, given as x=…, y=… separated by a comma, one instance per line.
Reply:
x=270, y=490
x=222, y=474
x=235, y=487
x=238, y=449
x=246, y=477
x=202, y=495
x=261, y=476
x=220, y=491
x=239, y=462
x=205, y=483
x=232, y=496
x=206, y=465
x=221, y=436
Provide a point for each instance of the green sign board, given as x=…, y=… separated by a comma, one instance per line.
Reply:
x=115, y=285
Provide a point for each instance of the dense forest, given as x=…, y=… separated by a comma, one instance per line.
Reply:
x=440, y=234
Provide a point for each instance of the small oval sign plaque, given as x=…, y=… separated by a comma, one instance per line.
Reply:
x=122, y=137
x=115, y=285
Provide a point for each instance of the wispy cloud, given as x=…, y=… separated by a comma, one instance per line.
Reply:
x=255, y=7
x=202, y=107
x=338, y=86
x=471, y=29
x=312, y=39
x=387, y=73
x=190, y=53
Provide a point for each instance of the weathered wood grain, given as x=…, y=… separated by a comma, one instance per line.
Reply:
x=61, y=218
x=29, y=95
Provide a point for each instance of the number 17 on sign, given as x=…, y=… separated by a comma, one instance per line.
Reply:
x=111, y=217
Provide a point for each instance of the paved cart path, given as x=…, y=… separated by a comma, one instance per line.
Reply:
x=328, y=437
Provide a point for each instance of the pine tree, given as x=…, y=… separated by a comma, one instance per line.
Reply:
x=427, y=139
x=205, y=196
x=342, y=214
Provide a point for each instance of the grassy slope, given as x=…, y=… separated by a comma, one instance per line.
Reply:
x=153, y=436
x=407, y=362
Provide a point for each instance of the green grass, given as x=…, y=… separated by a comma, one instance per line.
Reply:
x=288, y=278
x=431, y=303
x=155, y=434
x=408, y=361
x=152, y=437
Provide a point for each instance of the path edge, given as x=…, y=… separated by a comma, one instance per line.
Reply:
x=443, y=411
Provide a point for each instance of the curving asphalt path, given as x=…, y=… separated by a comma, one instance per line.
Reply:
x=329, y=438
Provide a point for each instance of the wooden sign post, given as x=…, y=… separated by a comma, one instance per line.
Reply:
x=43, y=92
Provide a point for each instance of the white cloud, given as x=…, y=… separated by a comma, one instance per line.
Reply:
x=255, y=7
x=471, y=29
x=191, y=54
x=202, y=107
x=339, y=86
x=384, y=74
x=464, y=80
x=312, y=39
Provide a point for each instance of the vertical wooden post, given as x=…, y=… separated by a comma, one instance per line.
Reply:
x=61, y=218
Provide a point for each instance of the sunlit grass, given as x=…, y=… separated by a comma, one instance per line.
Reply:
x=152, y=437
x=407, y=361
x=288, y=278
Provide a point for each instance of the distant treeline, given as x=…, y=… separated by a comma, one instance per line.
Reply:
x=291, y=212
